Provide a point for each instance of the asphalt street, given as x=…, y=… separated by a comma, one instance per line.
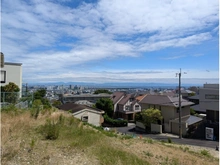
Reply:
x=129, y=130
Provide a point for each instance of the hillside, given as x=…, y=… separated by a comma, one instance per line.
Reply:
x=26, y=140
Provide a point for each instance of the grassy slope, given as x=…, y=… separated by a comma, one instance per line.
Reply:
x=22, y=142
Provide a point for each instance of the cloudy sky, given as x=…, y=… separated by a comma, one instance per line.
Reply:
x=112, y=40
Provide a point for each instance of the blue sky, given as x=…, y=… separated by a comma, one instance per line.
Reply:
x=112, y=41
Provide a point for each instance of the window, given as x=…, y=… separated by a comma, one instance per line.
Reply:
x=127, y=107
x=3, y=76
x=85, y=118
x=136, y=107
x=214, y=97
x=131, y=99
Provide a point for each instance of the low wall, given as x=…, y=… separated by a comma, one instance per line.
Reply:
x=140, y=125
x=156, y=128
x=175, y=128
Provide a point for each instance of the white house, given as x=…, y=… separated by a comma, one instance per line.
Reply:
x=85, y=113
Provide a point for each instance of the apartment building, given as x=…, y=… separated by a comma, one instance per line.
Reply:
x=209, y=100
x=11, y=72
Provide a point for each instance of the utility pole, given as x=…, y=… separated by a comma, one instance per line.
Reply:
x=180, y=114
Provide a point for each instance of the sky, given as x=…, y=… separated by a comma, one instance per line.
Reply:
x=105, y=41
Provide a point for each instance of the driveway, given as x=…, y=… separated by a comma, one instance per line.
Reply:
x=164, y=136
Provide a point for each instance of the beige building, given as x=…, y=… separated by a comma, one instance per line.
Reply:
x=84, y=113
x=169, y=107
x=11, y=72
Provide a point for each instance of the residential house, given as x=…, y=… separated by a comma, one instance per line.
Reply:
x=209, y=100
x=11, y=72
x=116, y=97
x=125, y=105
x=196, y=107
x=194, y=99
x=185, y=93
x=169, y=107
x=85, y=113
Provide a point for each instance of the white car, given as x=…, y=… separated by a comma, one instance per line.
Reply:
x=107, y=129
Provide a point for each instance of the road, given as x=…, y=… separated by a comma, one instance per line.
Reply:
x=164, y=136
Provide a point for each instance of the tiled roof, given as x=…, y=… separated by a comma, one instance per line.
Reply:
x=116, y=96
x=190, y=119
x=138, y=98
x=164, y=100
x=76, y=107
x=125, y=99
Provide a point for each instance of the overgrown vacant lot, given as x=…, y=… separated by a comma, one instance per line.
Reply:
x=58, y=138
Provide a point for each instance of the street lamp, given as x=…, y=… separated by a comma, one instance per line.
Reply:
x=180, y=111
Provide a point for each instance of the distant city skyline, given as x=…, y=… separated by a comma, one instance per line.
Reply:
x=143, y=41
x=123, y=84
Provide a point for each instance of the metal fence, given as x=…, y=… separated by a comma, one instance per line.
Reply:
x=19, y=99
x=10, y=97
x=22, y=105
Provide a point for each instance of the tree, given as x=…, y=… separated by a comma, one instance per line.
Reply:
x=192, y=112
x=151, y=115
x=9, y=92
x=105, y=104
x=56, y=103
x=40, y=93
x=11, y=87
x=102, y=91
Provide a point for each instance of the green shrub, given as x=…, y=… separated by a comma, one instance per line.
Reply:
x=10, y=108
x=115, y=122
x=148, y=153
x=71, y=121
x=32, y=144
x=186, y=149
x=35, y=112
x=205, y=153
x=149, y=140
x=50, y=130
x=169, y=140
x=61, y=120
x=127, y=137
x=192, y=111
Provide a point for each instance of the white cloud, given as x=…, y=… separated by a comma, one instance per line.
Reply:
x=33, y=31
x=124, y=76
x=173, y=57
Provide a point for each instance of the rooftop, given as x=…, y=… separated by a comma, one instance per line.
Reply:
x=164, y=100
x=76, y=107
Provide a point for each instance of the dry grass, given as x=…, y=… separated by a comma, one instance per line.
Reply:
x=157, y=153
x=22, y=143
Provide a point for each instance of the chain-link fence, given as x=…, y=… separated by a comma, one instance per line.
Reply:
x=10, y=97
x=20, y=100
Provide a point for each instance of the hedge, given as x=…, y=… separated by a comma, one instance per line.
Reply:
x=115, y=122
